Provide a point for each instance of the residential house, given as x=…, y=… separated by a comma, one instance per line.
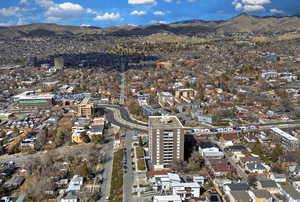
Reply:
x=220, y=167
x=290, y=193
x=288, y=160
x=269, y=185
x=209, y=150
x=256, y=168
x=294, y=171
x=235, y=187
x=75, y=183
x=28, y=144
x=76, y=136
x=260, y=195
x=277, y=177
x=296, y=185
x=239, y=196
x=186, y=95
x=237, y=156
x=166, y=99
x=70, y=196
x=227, y=140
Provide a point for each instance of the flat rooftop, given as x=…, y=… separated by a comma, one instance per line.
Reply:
x=169, y=122
x=28, y=95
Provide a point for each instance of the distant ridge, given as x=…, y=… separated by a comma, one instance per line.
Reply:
x=240, y=23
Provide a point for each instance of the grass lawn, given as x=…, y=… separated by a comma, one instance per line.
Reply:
x=116, y=189
x=139, y=152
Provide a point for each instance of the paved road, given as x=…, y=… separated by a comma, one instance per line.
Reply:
x=128, y=171
x=122, y=89
x=112, y=115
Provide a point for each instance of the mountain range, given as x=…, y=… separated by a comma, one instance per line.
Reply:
x=241, y=23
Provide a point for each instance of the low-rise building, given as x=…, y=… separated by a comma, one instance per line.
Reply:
x=290, y=193
x=239, y=196
x=35, y=100
x=289, y=141
x=168, y=198
x=269, y=185
x=260, y=195
x=186, y=190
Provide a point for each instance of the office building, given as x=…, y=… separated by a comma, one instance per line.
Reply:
x=85, y=110
x=166, y=141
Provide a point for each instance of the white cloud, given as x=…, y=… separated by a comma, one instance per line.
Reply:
x=142, y=2
x=84, y=25
x=238, y=6
x=108, y=16
x=13, y=11
x=160, y=13
x=256, y=2
x=276, y=11
x=90, y=11
x=168, y=1
x=64, y=11
x=253, y=8
x=250, y=5
x=138, y=13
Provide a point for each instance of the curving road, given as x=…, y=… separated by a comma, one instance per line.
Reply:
x=119, y=116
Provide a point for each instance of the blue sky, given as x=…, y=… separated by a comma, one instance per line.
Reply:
x=104, y=13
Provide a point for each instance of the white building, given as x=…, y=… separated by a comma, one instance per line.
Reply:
x=211, y=152
x=186, y=190
x=164, y=182
x=286, y=139
x=175, y=198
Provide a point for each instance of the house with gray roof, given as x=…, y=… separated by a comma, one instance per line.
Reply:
x=240, y=196
x=261, y=195
x=269, y=185
x=290, y=193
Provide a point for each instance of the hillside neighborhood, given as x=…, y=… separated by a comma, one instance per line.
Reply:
x=162, y=117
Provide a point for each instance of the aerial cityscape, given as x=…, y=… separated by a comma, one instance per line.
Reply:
x=150, y=101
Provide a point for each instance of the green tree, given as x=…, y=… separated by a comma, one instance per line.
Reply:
x=196, y=161
x=84, y=137
x=2, y=134
x=83, y=170
x=257, y=150
x=276, y=153
x=98, y=139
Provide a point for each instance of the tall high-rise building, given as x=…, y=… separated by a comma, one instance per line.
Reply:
x=59, y=62
x=166, y=141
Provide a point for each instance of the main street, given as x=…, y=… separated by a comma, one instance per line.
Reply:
x=128, y=171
